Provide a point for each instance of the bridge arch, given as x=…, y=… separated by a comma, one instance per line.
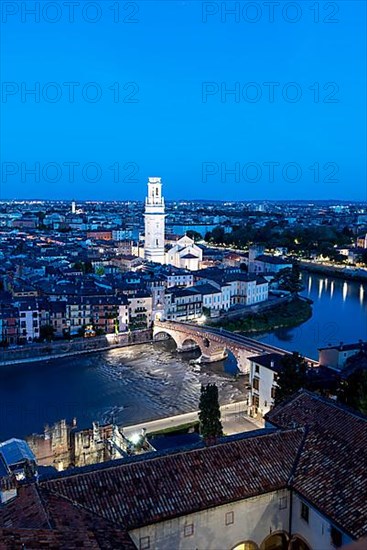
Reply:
x=162, y=335
x=189, y=344
x=184, y=342
x=213, y=346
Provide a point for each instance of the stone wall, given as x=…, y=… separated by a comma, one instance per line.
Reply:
x=30, y=353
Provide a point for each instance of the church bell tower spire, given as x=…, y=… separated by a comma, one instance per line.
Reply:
x=154, y=218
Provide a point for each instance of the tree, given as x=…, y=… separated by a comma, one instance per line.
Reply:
x=194, y=235
x=364, y=257
x=85, y=267
x=47, y=332
x=209, y=412
x=290, y=278
x=353, y=390
x=216, y=236
x=296, y=277
x=292, y=376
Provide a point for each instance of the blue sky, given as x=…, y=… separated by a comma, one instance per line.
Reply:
x=163, y=53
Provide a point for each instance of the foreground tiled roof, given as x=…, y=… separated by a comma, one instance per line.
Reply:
x=332, y=470
x=39, y=519
x=319, y=451
x=142, y=493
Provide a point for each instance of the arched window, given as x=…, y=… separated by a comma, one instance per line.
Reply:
x=298, y=544
x=246, y=545
x=275, y=541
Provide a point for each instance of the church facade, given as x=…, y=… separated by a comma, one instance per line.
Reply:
x=185, y=253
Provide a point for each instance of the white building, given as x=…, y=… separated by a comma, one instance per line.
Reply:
x=336, y=357
x=29, y=320
x=244, y=289
x=185, y=254
x=183, y=304
x=247, y=290
x=123, y=317
x=263, y=381
x=154, y=217
x=140, y=310
x=216, y=297
x=178, y=277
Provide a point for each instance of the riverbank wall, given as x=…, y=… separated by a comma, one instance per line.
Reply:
x=32, y=353
x=58, y=349
x=357, y=275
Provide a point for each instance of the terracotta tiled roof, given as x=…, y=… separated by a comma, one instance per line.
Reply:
x=319, y=452
x=26, y=511
x=39, y=519
x=331, y=472
x=141, y=493
x=31, y=539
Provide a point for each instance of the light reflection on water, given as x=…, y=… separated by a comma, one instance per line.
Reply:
x=339, y=314
x=148, y=381
x=127, y=386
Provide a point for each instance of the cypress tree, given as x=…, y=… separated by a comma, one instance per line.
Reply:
x=209, y=413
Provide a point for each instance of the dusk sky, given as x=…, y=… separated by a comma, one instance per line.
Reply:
x=168, y=121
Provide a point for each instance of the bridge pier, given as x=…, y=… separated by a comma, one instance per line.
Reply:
x=215, y=355
x=187, y=347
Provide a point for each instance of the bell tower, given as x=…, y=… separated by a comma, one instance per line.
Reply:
x=154, y=217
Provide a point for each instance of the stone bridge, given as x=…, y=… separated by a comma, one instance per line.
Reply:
x=214, y=343
x=214, y=346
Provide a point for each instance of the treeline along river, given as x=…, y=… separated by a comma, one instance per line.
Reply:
x=131, y=385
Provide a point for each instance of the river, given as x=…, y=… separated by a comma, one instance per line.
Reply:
x=126, y=385
x=339, y=315
x=149, y=381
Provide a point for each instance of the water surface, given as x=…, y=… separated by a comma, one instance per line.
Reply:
x=339, y=315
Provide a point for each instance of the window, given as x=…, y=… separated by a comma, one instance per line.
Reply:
x=255, y=384
x=229, y=518
x=144, y=543
x=336, y=537
x=282, y=503
x=257, y=369
x=273, y=390
x=255, y=401
x=189, y=530
x=305, y=511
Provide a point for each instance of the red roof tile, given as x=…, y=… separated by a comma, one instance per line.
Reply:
x=332, y=469
x=144, y=492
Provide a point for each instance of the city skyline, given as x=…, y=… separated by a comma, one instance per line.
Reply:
x=197, y=94
x=183, y=274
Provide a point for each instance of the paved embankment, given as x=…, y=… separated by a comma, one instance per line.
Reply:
x=32, y=353
x=347, y=273
x=234, y=420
